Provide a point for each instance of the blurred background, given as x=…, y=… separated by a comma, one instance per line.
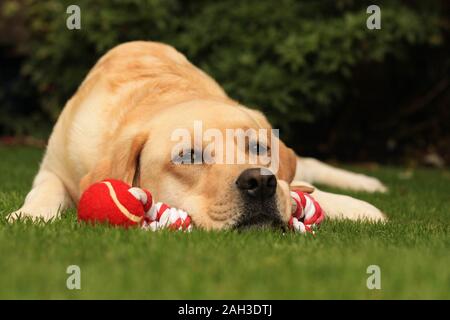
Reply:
x=335, y=89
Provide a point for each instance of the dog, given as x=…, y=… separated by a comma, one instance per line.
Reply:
x=120, y=123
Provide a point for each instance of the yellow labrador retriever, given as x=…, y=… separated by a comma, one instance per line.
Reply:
x=120, y=124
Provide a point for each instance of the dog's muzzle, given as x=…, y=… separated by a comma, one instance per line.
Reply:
x=257, y=187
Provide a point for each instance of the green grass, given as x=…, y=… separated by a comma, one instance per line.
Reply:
x=412, y=250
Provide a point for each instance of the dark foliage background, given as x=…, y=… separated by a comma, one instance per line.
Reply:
x=336, y=89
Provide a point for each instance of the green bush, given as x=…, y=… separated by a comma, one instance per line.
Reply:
x=295, y=60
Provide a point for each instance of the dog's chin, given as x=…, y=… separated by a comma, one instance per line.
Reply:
x=264, y=215
x=260, y=225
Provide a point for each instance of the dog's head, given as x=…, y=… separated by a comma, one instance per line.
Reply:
x=192, y=156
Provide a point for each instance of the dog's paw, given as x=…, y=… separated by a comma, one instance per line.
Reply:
x=354, y=209
x=361, y=182
x=345, y=207
x=35, y=215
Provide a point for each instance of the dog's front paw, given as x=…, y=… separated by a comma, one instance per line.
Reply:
x=38, y=214
x=345, y=207
x=354, y=209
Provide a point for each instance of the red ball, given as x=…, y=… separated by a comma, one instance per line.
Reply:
x=110, y=202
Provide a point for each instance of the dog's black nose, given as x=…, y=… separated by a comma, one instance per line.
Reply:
x=257, y=183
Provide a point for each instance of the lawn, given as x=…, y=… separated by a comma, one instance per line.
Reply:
x=412, y=250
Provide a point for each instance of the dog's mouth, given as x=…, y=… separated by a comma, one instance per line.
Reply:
x=262, y=215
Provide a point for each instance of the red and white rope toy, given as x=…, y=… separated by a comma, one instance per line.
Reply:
x=307, y=214
x=160, y=215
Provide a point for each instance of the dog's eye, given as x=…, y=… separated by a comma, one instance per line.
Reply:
x=191, y=156
x=258, y=148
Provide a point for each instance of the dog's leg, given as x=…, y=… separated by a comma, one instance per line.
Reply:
x=314, y=171
x=46, y=200
x=337, y=206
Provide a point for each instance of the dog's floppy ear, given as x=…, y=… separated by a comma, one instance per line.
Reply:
x=121, y=162
x=288, y=163
x=125, y=158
